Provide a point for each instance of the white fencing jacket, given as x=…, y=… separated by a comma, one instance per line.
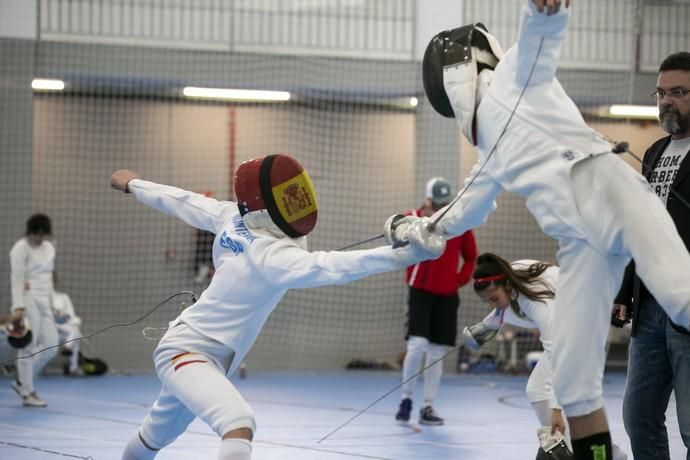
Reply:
x=31, y=270
x=544, y=139
x=253, y=268
x=537, y=313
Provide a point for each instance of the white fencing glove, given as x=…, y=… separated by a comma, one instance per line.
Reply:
x=552, y=446
x=395, y=229
x=477, y=335
x=424, y=242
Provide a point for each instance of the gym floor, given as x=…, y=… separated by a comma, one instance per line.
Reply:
x=487, y=417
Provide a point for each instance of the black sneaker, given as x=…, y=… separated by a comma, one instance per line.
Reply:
x=427, y=416
x=404, y=410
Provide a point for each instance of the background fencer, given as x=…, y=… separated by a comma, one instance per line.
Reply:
x=32, y=261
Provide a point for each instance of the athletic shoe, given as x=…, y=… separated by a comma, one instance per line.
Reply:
x=404, y=410
x=427, y=416
x=32, y=400
x=77, y=373
x=617, y=453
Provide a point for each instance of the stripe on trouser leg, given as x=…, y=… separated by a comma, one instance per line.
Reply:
x=178, y=362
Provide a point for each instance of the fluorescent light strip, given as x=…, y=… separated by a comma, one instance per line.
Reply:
x=235, y=94
x=46, y=84
x=635, y=111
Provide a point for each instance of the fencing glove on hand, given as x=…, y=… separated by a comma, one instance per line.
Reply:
x=395, y=229
x=424, y=242
x=477, y=335
x=552, y=446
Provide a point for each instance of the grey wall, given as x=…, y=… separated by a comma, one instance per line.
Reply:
x=16, y=147
x=113, y=254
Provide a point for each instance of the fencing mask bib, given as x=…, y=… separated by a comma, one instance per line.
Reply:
x=279, y=187
x=457, y=69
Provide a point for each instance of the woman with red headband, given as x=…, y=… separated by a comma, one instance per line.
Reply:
x=521, y=294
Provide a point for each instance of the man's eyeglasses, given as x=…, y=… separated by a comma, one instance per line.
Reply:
x=675, y=93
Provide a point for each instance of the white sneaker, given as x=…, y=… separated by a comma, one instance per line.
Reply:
x=617, y=453
x=32, y=400
x=77, y=373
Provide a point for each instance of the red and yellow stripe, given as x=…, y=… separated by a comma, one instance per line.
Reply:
x=185, y=358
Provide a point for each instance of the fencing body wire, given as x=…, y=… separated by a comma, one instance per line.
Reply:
x=431, y=227
x=112, y=326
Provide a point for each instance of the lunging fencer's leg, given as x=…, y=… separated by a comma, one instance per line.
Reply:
x=200, y=383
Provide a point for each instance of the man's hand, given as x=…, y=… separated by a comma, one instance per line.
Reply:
x=552, y=6
x=121, y=178
x=619, y=317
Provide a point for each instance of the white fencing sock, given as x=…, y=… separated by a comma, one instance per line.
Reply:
x=235, y=449
x=136, y=450
x=432, y=376
x=416, y=348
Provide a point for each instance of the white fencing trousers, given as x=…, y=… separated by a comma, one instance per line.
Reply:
x=623, y=218
x=44, y=335
x=417, y=348
x=193, y=369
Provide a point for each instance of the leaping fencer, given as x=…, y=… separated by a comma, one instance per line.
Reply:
x=532, y=141
x=259, y=253
x=521, y=294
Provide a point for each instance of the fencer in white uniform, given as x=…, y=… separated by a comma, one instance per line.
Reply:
x=510, y=306
x=532, y=140
x=255, y=264
x=32, y=261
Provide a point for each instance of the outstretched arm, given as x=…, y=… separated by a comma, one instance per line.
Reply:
x=292, y=267
x=289, y=266
x=195, y=209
